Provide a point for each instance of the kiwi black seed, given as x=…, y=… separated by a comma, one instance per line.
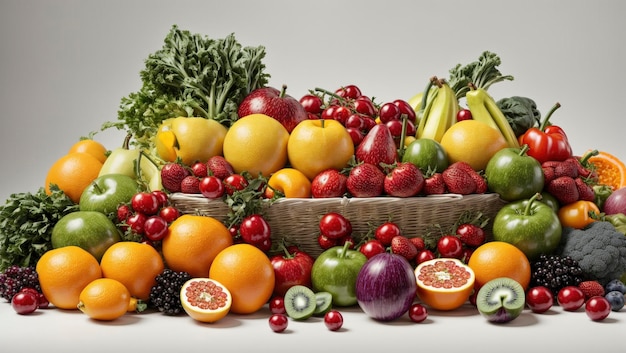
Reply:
x=324, y=302
x=300, y=302
x=501, y=300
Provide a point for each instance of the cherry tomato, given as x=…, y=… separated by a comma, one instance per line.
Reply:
x=450, y=246
x=539, y=299
x=418, y=312
x=169, y=213
x=278, y=322
x=312, y=103
x=277, y=305
x=333, y=320
x=211, y=187
x=371, y=248
x=155, y=228
x=145, y=202
x=597, y=308
x=234, y=182
x=24, y=302
x=334, y=225
x=571, y=298
x=386, y=231
x=388, y=111
x=254, y=229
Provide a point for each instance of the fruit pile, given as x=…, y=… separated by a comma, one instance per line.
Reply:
x=103, y=235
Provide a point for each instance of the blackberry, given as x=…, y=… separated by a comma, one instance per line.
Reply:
x=14, y=278
x=555, y=272
x=165, y=294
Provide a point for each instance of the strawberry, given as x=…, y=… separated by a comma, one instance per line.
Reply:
x=404, y=180
x=199, y=169
x=591, y=288
x=568, y=167
x=548, y=174
x=190, y=185
x=328, y=183
x=481, y=183
x=458, y=180
x=365, y=180
x=471, y=234
x=418, y=243
x=219, y=166
x=434, y=185
x=585, y=191
x=402, y=246
x=564, y=190
x=172, y=174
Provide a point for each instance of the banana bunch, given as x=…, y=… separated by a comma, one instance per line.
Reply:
x=483, y=108
x=438, y=111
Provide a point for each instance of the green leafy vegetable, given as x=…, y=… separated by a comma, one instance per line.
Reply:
x=26, y=223
x=482, y=73
x=520, y=112
x=191, y=75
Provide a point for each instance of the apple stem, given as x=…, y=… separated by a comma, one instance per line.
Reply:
x=344, y=250
x=288, y=255
x=536, y=196
x=524, y=149
x=283, y=91
x=126, y=143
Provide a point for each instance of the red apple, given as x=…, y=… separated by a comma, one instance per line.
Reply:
x=276, y=104
x=291, y=268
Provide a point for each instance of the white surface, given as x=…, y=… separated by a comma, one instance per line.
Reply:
x=65, y=65
x=461, y=330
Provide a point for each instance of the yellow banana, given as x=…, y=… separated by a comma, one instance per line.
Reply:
x=441, y=115
x=484, y=109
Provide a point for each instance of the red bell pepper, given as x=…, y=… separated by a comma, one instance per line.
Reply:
x=547, y=142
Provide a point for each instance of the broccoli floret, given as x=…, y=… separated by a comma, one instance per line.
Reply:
x=599, y=249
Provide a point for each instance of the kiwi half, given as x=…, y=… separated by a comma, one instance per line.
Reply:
x=323, y=303
x=501, y=300
x=300, y=302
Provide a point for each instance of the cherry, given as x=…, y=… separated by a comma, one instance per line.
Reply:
x=349, y=91
x=161, y=197
x=450, y=246
x=136, y=222
x=169, y=213
x=200, y=169
x=155, y=228
x=234, y=182
x=364, y=105
x=463, y=114
x=539, y=299
x=388, y=111
x=333, y=320
x=145, y=202
x=277, y=305
x=597, y=308
x=418, y=312
x=406, y=109
x=424, y=255
x=386, y=231
x=341, y=114
x=25, y=302
x=278, y=322
x=312, y=103
x=334, y=225
x=371, y=248
x=212, y=187
x=571, y=298
x=356, y=135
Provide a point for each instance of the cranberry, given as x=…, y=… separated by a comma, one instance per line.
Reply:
x=278, y=322
x=418, y=313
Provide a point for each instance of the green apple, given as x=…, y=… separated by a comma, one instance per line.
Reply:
x=427, y=154
x=513, y=174
x=335, y=271
x=107, y=192
x=90, y=230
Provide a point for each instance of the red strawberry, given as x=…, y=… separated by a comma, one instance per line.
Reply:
x=199, y=169
x=172, y=174
x=458, y=180
x=190, y=185
x=404, y=180
x=568, y=167
x=591, y=288
x=471, y=234
x=481, y=183
x=548, y=174
x=585, y=191
x=434, y=185
x=365, y=180
x=418, y=242
x=564, y=190
x=329, y=183
x=402, y=246
x=219, y=166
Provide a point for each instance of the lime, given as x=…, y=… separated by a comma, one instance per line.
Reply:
x=427, y=154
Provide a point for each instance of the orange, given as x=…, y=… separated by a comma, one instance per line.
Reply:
x=444, y=283
x=193, y=242
x=499, y=259
x=290, y=182
x=135, y=265
x=73, y=172
x=91, y=147
x=318, y=144
x=247, y=273
x=611, y=170
x=256, y=143
x=205, y=299
x=64, y=273
x=472, y=141
x=104, y=299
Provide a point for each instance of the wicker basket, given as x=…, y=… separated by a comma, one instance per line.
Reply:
x=296, y=220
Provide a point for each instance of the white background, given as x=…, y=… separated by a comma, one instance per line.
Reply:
x=65, y=65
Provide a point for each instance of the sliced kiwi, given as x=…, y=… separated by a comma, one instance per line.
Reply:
x=501, y=300
x=300, y=302
x=324, y=302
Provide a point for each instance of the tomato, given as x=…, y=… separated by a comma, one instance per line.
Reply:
x=386, y=231
x=371, y=248
x=288, y=182
x=334, y=225
x=234, y=182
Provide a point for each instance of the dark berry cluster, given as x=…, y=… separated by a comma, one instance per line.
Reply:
x=165, y=294
x=14, y=278
x=555, y=272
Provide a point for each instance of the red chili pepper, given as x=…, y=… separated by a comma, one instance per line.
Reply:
x=547, y=143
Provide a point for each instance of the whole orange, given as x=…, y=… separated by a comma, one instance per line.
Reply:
x=91, y=147
x=257, y=144
x=193, y=242
x=319, y=144
x=72, y=173
x=104, y=299
x=64, y=273
x=247, y=273
x=473, y=142
x=499, y=259
x=290, y=182
x=134, y=264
